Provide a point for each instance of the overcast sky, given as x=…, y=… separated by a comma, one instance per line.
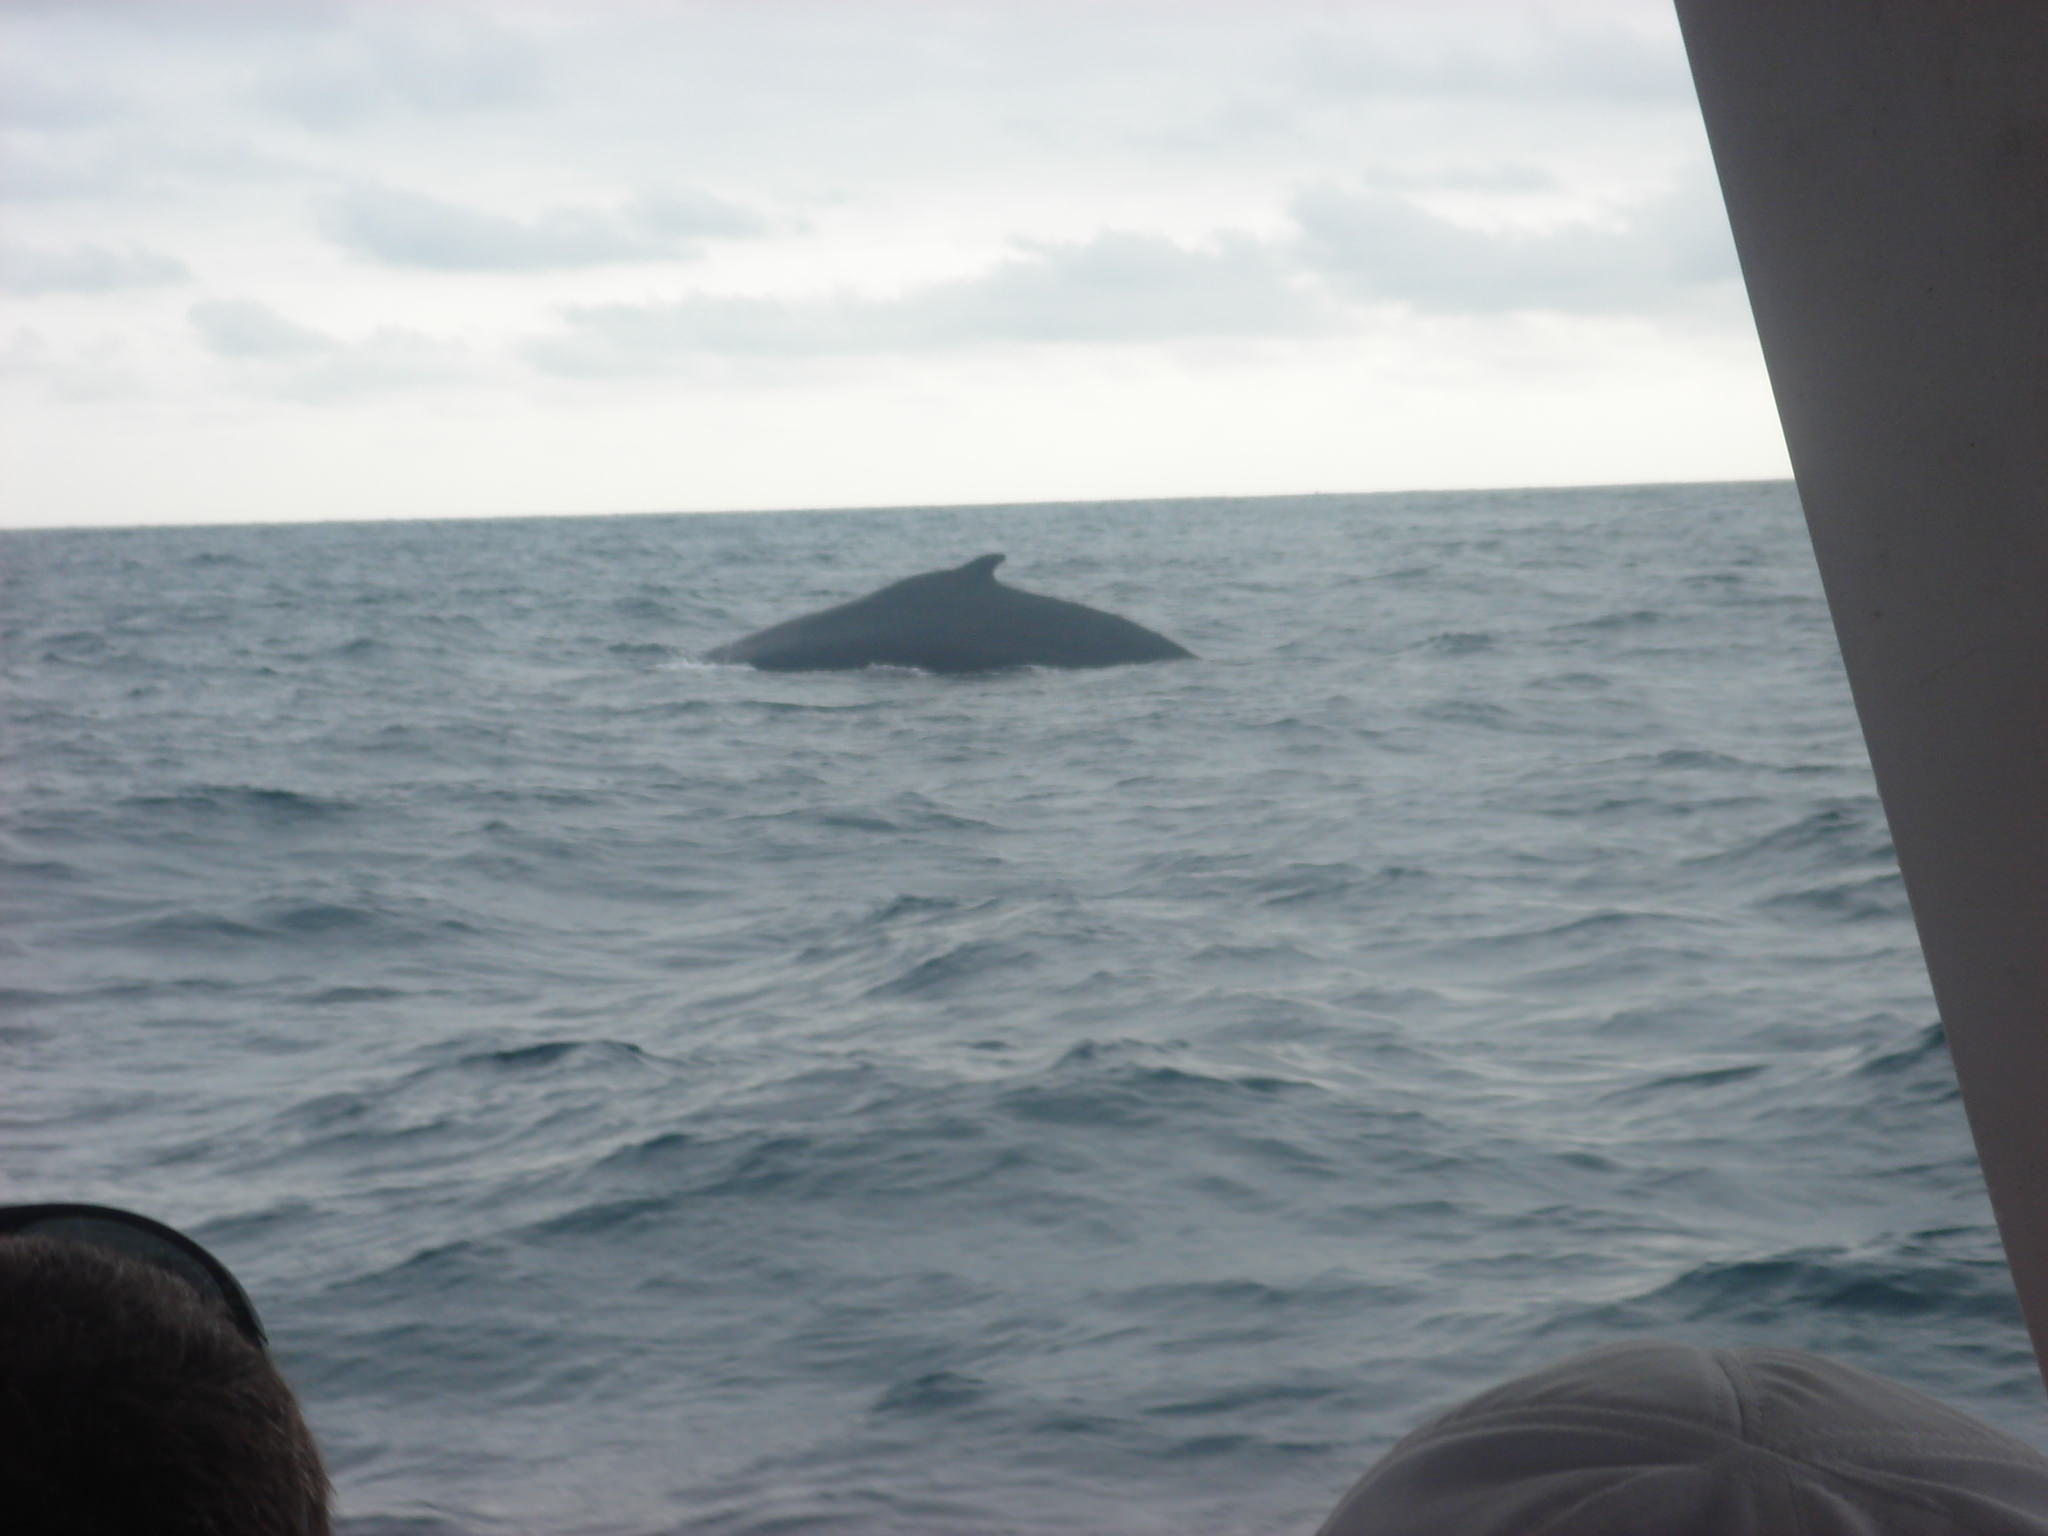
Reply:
x=279, y=260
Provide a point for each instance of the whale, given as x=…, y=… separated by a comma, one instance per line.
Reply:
x=957, y=620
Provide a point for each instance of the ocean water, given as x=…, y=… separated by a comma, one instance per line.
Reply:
x=646, y=1096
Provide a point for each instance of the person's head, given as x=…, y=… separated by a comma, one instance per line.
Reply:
x=1656, y=1439
x=136, y=1394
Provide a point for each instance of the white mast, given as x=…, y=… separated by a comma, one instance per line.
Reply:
x=1885, y=165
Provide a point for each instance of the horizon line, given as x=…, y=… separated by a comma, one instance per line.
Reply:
x=857, y=508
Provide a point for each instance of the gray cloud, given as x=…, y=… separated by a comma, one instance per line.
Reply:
x=242, y=328
x=1116, y=288
x=389, y=359
x=297, y=362
x=86, y=269
x=1382, y=248
x=1121, y=287
x=1495, y=176
x=44, y=104
x=1351, y=247
x=691, y=215
x=1502, y=61
x=78, y=373
x=55, y=171
x=407, y=229
x=436, y=61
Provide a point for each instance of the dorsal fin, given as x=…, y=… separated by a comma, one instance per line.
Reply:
x=980, y=568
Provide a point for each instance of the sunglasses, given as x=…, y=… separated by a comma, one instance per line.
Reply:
x=150, y=1242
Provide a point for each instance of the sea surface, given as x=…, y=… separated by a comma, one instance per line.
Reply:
x=653, y=1097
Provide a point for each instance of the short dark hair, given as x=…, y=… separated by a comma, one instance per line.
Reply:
x=128, y=1405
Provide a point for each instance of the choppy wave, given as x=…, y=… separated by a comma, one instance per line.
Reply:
x=655, y=1097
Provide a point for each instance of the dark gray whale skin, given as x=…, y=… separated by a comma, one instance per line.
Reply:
x=958, y=620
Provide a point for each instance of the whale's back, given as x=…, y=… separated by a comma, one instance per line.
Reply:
x=956, y=620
